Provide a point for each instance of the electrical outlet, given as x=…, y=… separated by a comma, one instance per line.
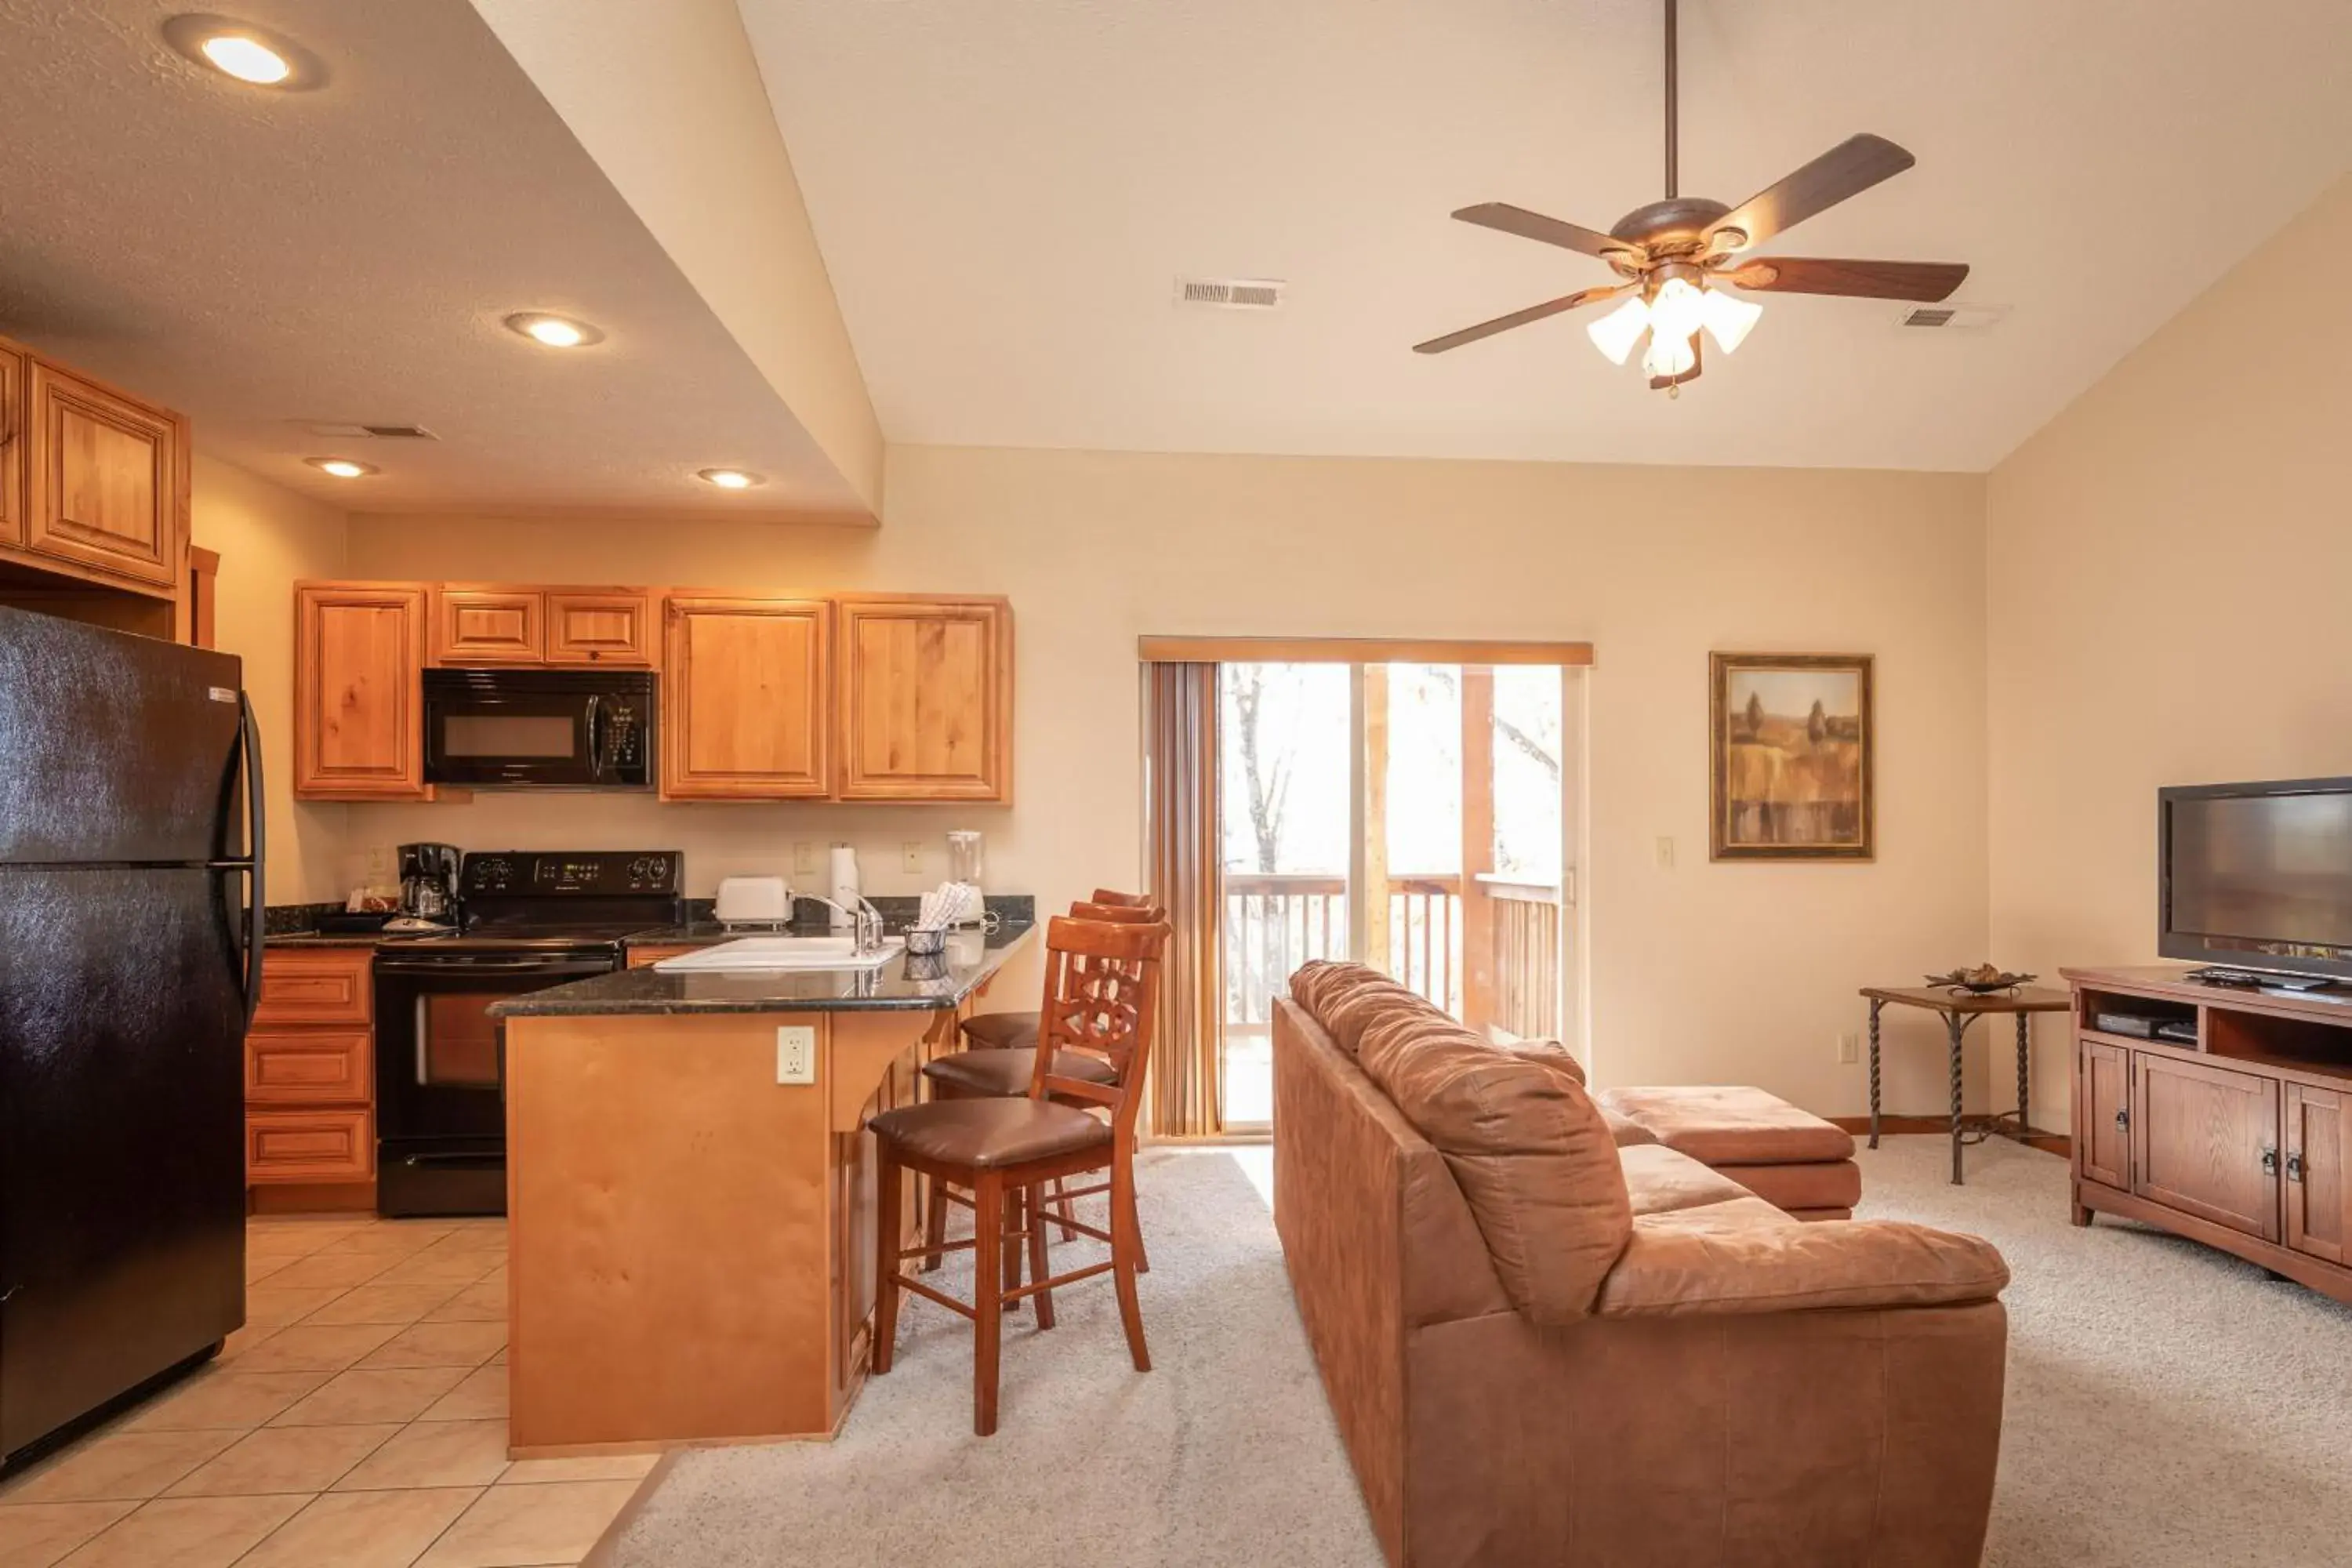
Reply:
x=1849, y=1047
x=910, y=857
x=1665, y=854
x=804, y=858
x=796, y=1052
x=379, y=868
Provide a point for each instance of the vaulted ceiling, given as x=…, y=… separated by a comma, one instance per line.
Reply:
x=1004, y=193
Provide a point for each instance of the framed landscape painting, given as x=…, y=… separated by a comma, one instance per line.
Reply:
x=1792, y=750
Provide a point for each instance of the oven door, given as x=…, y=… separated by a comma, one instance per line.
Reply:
x=440, y=1103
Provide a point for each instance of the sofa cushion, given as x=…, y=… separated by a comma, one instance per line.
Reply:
x=1815, y=1184
x=1660, y=1181
x=1526, y=1146
x=1623, y=1128
x=1348, y=998
x=1731, y=1124
x=1745, y=1256
x=1548, y=1053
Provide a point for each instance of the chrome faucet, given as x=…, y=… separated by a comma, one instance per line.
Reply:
x=864, y=921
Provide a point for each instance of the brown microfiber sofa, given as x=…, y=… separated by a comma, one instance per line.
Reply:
x=1542, y=1349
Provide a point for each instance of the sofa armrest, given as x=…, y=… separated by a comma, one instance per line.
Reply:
x=1705, y=1263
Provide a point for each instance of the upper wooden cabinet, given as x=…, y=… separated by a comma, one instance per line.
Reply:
x=744, y=688
x=358, y=661
x=592, y=626
x=475, y=623
x=109, y=486
x=492, y=626
x=924, y=709
x=14, y=440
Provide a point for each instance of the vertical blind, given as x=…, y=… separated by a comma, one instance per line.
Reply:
x=1182, y=852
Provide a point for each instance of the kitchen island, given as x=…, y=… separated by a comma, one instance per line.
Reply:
x=690, y=1193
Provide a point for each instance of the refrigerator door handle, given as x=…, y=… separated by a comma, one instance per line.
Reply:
x=256, y=829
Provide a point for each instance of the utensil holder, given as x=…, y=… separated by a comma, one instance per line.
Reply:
x=926, y=943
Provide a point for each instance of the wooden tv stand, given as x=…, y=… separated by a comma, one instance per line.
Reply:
x=2238, y=1140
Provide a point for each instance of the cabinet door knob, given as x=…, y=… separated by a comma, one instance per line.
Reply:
x=2295, y=1167
x=2122, y=1117
x=2269, y=1161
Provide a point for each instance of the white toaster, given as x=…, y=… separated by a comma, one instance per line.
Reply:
x=753, y=900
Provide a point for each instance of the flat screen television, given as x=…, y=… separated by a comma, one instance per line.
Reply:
x=2257, y=875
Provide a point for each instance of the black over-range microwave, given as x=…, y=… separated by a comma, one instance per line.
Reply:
x=543, y=729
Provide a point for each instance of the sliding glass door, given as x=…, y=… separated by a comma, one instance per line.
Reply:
x=1411, y=817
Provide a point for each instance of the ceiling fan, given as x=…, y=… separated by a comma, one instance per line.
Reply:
x=1676, y=255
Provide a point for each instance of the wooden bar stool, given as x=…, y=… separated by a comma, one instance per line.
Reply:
x=1018, y=1031
x=1102, y=984
x=997, y=1072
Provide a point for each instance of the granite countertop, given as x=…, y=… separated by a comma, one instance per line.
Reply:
x=902, y=983
x=323, y=939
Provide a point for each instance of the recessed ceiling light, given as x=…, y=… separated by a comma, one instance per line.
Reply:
x=554, y=332
x=251, y=55
x=729, y=478
x=342, y=468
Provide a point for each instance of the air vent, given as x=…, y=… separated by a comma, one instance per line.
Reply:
x=370, y=431
x=1231, y=293
x=1950, y=318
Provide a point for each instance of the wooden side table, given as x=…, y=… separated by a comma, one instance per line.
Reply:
x=1959, y=1009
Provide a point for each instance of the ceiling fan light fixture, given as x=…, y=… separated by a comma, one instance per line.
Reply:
x=1615, y=333
x=1667, y=356
x=1677, y=311
x=1728, y=317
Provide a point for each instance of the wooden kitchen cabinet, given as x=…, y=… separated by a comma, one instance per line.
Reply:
x=15, y=439
x=358, y=661
x=607, y=626
x=923, y=709
x=309, y=1076
x=745, y=698
x=107, y=486
x=475, y=623
x=2205, y=1142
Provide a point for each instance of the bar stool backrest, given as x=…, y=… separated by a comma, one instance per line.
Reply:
x=1119, y=914
x=1102, y=991
x=1113, y=896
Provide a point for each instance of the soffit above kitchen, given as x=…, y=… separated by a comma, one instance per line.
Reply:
x=1007, y=191
x=347, y=253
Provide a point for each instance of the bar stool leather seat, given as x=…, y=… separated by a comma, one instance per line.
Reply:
x=1003, y=1031
x=1006, y=1072
x=986, y=1134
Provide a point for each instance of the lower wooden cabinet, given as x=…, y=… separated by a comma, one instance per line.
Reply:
x=2205, y=1142
x=2102, y=1094
x=2318, y=1198
x=310, y=1071
x=321, y=1147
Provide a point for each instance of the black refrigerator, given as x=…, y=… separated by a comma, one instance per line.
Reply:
x=130, y=962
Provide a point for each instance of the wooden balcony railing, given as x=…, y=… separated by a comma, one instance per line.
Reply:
x=1277, y=921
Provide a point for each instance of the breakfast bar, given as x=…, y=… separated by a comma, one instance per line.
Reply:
x=691, y=1192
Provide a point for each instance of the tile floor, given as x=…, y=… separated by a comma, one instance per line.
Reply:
x=359, y=1420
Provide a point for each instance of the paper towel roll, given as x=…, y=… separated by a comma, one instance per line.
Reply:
x=843, y=888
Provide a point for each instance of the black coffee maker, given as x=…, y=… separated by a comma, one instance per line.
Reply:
x=429, y=883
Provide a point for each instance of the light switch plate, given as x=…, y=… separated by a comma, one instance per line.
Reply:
x=910, y=857
x=804, y=858
x=796, y=1052
x=1665, y=854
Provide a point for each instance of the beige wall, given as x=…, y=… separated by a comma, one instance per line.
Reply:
x=268, y=537
x=2167, y=605
x=1742, y=973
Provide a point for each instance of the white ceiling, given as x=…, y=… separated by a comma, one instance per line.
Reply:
x=1006, y=191
x=259, y=260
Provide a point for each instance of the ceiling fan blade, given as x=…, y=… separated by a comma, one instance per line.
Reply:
x=1926, y=281
x=1699, y=364
x=1848, y=169
x=1509, y=219
x=1517, y=319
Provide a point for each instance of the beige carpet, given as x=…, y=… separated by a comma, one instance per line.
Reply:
x=2169, y=1409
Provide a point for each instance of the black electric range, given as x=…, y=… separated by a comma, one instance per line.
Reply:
x=531, y=919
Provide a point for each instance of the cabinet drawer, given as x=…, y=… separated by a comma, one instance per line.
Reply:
x=309, y=1146
x=308, y=1067
x=480, y=623
x=610, y=627
x=314, y=987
